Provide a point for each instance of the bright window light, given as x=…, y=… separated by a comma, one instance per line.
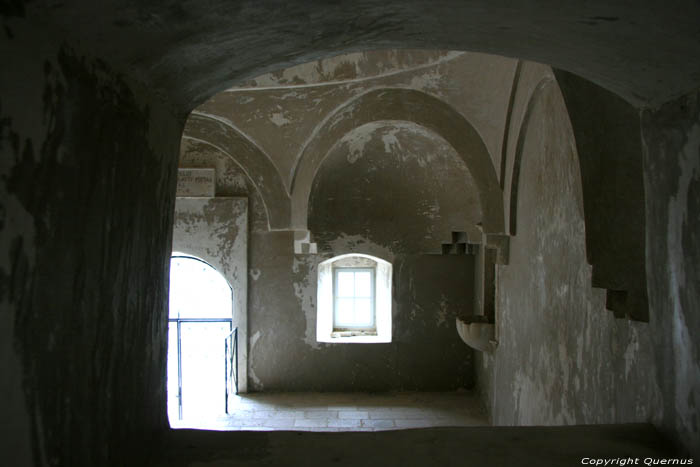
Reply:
x=354, y=299
x=197, y=290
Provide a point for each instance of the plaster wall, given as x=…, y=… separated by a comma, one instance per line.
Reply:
x=671, y=142
x=230, y=180
x=425, y=352
x=562, y=358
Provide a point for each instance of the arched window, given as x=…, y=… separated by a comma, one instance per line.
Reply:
x=354, y=300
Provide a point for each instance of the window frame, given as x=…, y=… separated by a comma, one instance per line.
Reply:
x=372, y=328
x=383, y=298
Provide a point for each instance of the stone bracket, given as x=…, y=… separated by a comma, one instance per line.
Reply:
x=303, y=244
x=459, y=245
x=477, y=334
x=500, y=243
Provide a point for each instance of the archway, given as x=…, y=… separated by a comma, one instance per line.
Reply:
x=410, y=106
x=199, y=330
x=257, y=166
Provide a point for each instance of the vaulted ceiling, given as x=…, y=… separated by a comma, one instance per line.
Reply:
x=647, y=52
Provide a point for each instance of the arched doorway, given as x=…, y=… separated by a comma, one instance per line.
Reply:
x=201, y=338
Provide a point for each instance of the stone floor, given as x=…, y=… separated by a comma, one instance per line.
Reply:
x=346, y=412
x=445, y=447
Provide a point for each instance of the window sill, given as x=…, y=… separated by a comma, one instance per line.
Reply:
x=337, y=338
x=336, y=334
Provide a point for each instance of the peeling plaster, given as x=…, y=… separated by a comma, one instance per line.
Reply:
x=391, y=143
x=279, y=119
x=304, y=271
x=257, y=383
x=348, y=68
x=307, y=108
x=216, y=231
x=430, y=81
x=443, y=312
x=672, y=185
x=344, y=243
x=356, y=141
x=686, y=348
x=558, y=346
x=401, y=154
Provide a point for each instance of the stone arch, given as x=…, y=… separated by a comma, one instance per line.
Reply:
x=380, y=177
x=517, y=160
x=400, y=105
x=509, y=116
x=253, y=161
x=233, y=159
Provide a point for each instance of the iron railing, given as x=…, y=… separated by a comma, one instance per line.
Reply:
x=231, y=363
x=178, y=322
